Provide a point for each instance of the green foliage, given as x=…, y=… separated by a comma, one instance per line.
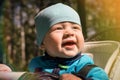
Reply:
x=103, y=15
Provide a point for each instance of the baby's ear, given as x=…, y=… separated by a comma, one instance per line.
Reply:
x=42, y=47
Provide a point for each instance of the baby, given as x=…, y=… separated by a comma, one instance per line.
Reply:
x=59, y=35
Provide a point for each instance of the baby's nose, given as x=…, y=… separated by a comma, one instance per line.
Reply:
x=68, y=33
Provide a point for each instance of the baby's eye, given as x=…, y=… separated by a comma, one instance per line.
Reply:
x=76, y=27
x=59, y=28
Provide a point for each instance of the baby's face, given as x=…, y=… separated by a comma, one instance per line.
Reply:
x=4, y=68
x=64, y=40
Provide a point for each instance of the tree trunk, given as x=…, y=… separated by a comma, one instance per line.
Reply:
x=1, y=33
x=81, y=11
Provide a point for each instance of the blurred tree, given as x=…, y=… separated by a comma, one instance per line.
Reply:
x=103, y=18
x=19, y=31
x=82, y=13
x=2, y=54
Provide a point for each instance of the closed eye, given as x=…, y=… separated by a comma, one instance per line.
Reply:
x=76, y=27
x=59, y=28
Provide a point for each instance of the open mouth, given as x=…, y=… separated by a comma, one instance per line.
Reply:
x=68, y=43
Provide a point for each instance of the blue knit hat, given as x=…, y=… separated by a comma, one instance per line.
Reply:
x=52, y=15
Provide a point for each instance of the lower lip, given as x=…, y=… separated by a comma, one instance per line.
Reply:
x=69, y=47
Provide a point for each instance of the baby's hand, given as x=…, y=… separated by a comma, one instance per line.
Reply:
x=69, y=77
x=4, y=68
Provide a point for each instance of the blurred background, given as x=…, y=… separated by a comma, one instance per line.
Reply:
x=100, y=21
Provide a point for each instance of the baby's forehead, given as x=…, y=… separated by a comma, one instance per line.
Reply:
x=66, y=23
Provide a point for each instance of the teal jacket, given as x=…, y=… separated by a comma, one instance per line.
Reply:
x=63, y=65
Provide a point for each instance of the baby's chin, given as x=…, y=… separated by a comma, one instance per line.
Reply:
x=68, y=56
x=71, y=54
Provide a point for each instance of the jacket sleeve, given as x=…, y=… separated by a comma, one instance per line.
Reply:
x=97, y=73
x=34, y=63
